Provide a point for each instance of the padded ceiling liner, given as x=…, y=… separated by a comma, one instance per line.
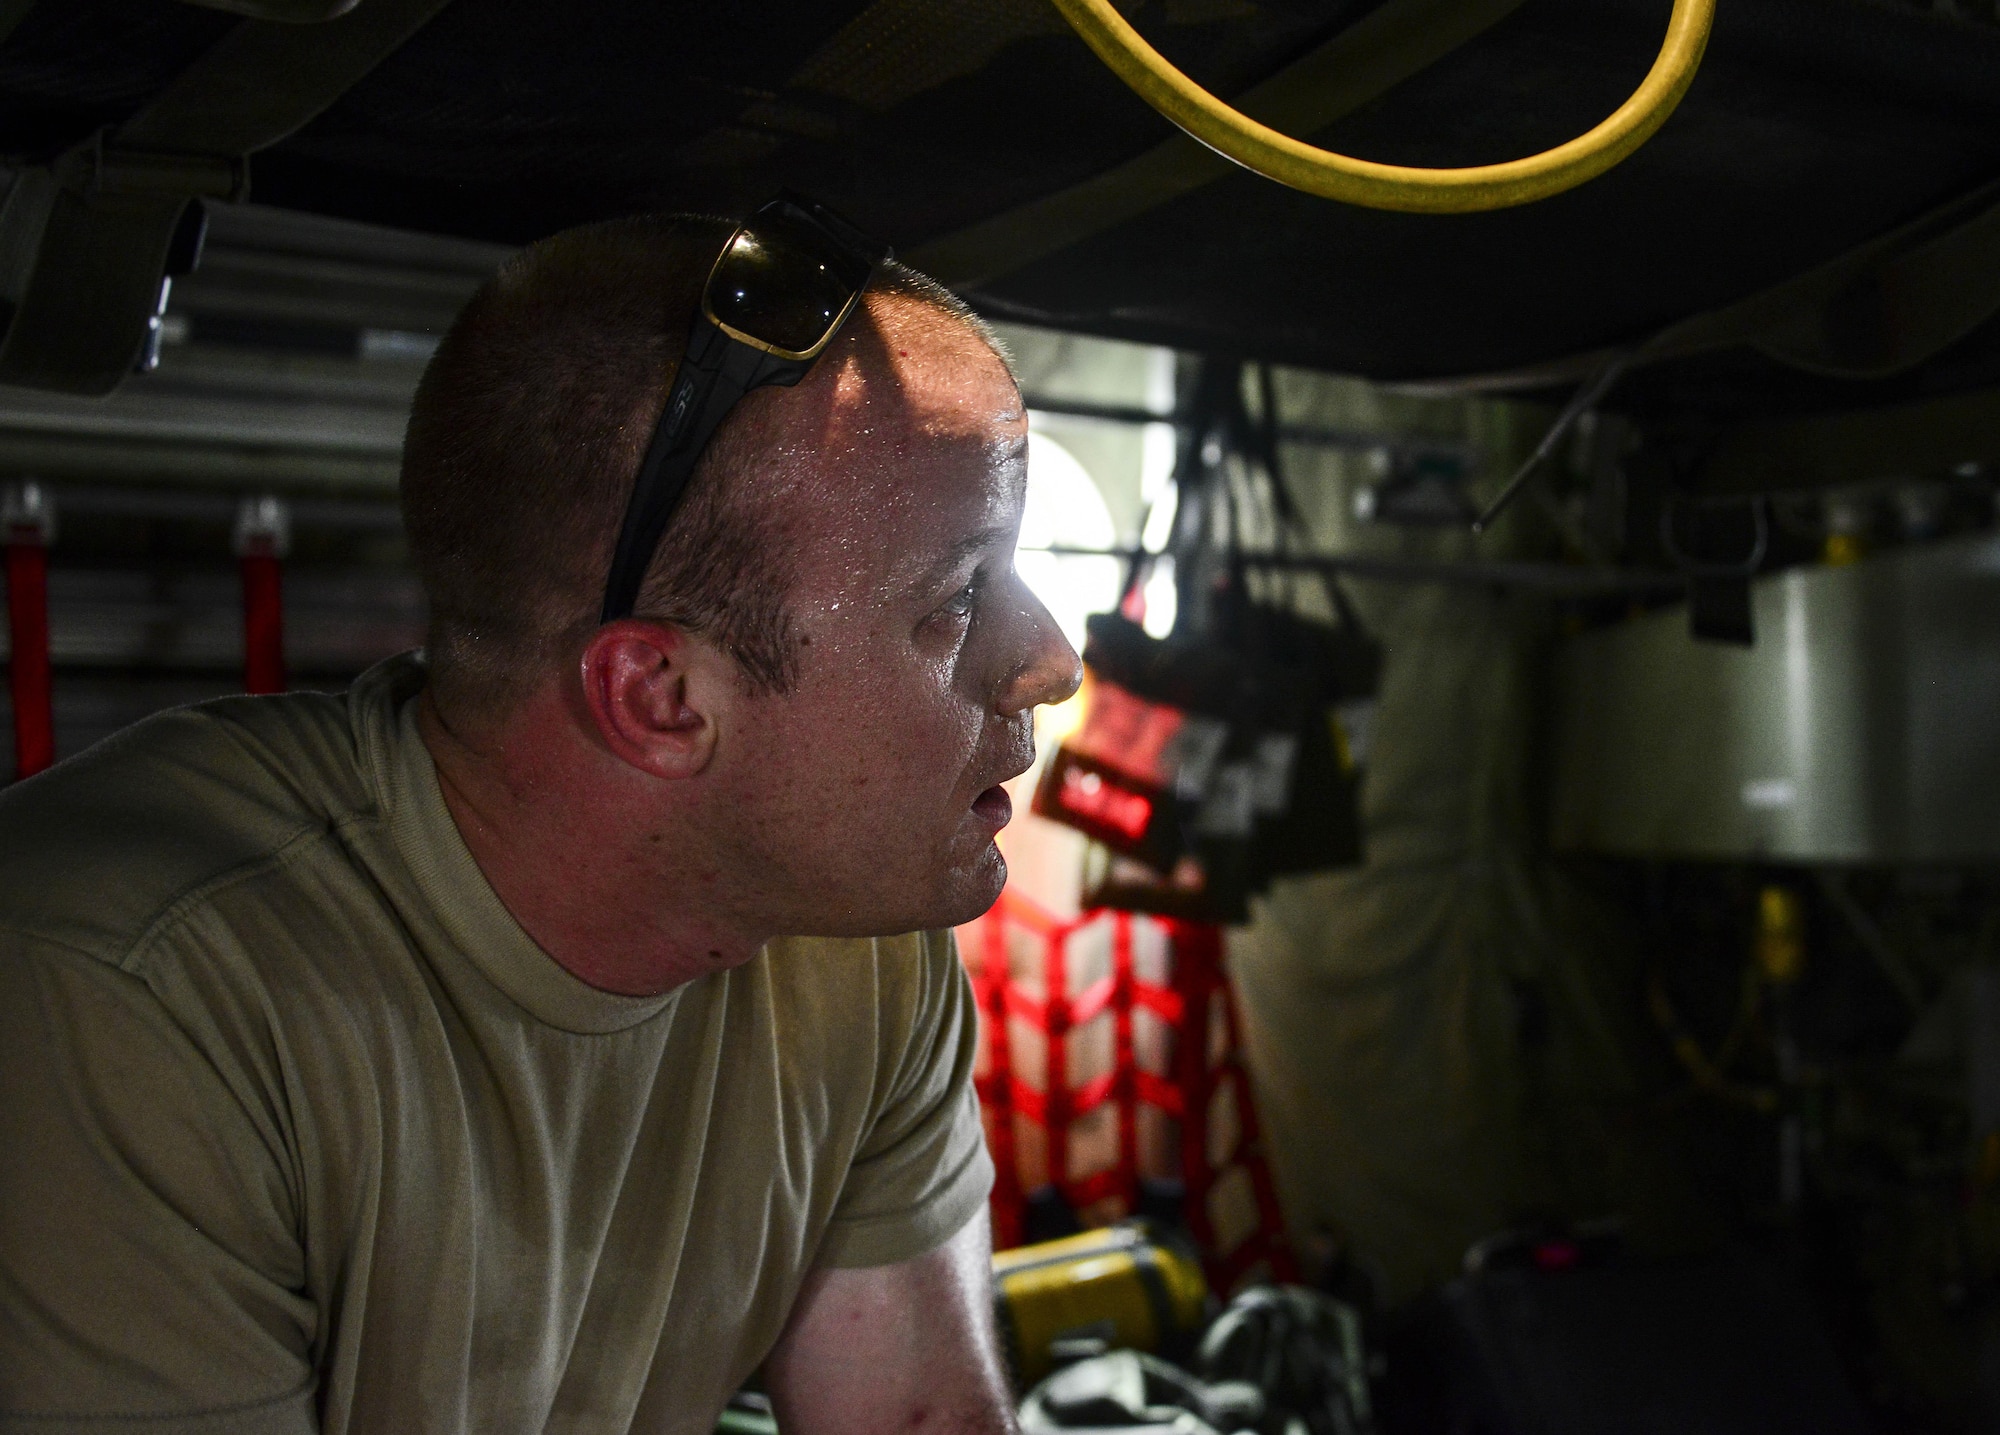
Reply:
x=1814, y=125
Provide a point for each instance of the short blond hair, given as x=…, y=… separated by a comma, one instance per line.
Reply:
x=524, y=441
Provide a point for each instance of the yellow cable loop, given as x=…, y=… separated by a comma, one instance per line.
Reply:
x=1394, y=186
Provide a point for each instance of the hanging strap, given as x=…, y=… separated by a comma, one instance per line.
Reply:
x=1390, y=44
x=266, y=80
x=29, y=516
x=88, y=240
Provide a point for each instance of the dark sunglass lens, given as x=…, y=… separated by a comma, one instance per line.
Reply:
x=777, y=288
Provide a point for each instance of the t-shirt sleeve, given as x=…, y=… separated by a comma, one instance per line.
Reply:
x=922, y=1170
x=150, y=1272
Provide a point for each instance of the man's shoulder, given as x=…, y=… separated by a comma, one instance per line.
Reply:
x=95, y=852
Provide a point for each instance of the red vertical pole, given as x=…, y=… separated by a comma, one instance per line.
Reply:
x=263, y=534
x=30, y=522
x=1007, y=1206
x=263, y=624
x=1196, y=958
x=1055, y=1023
x=1126, y=1083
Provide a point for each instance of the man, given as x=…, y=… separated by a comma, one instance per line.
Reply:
x=436, y=1057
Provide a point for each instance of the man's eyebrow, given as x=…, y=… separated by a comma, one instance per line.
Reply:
x=942, y=567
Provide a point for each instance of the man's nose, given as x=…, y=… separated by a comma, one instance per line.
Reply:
x=1050, y=671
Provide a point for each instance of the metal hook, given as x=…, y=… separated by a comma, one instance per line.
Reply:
x=1580, y=403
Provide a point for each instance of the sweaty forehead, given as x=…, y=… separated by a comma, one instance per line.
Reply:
x=905, y=438
x=906, y=371
x=905, y=388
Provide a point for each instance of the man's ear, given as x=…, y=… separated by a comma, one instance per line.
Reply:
x=655, y=694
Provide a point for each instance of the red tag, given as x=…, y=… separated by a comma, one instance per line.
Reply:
x=1124, y=731
x=1086, y=795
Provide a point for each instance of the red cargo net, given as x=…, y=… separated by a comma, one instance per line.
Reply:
x=1196, y=1007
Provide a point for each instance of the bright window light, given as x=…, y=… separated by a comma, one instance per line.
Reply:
x=1065, y=510
x=1162, y=598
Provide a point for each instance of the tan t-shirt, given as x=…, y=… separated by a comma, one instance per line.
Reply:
x=299, y=1130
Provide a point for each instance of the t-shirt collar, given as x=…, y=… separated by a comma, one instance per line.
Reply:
x=384, y=713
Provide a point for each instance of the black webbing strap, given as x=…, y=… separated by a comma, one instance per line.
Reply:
x=86, y=299
x=12, y=13
x=1366, y=60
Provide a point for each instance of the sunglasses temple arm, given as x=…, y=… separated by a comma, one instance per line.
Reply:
x=702, y=397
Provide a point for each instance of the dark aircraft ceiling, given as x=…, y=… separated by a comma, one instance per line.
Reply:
x=981, y=137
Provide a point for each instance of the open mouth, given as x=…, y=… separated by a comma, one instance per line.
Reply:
x=994, y=806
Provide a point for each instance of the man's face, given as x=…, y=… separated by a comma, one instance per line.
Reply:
x=868, y=797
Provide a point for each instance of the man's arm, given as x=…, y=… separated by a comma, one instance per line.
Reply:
x=899, y=1348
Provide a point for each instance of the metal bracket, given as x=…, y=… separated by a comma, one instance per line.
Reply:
x=100, y=166
x=28, y=513
x=1719, y=608
x=263, y=528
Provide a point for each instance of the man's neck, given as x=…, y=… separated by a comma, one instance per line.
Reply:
x=616, y=905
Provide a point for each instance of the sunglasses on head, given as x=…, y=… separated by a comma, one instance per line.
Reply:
x=786, y=281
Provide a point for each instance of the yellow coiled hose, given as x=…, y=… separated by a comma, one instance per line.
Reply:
x=1394, y=186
